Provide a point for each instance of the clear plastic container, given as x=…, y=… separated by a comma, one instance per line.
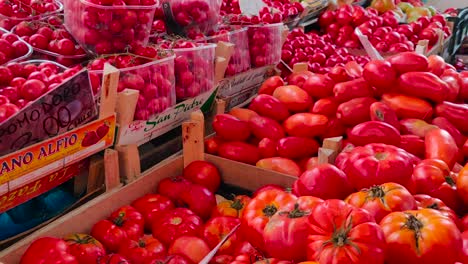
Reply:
x=66, y=60
x=23, y=57
x=265, y=44
x=61, y=67
x=108, y=29
x=198, y=15
x=194, y=70
x=8, y=23
x=240, y=59
x=154, y=80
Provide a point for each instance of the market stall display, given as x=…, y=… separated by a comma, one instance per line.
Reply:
x=312, y=131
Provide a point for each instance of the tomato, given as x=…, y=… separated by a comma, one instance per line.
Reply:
x=414, y=145
x=242, y=114
x=462, y=184
x=191, y=247
x=305, y=125
x=212, y=145
x=176, y=223
x=239, y=151
x=380, y=200
x=228, y=127
x=464, y=85
x=464, y=254
x=415, y=127
x=267, y=188
x=7, y=110
x=319, y=86
x=346, y=91
x=233, y=208
x=324, y=181
x=200, y=200
x=32, y=89
x=204, y=173
x=48, y=250
x=382, y=112
x=444, y=124
x=281, y=165
x=380, y=74
x=269, y=106
x=355, y=111
x=142, y=250
x=112, y=259
x=299, y=78
x=222, y=259
x=411, y=238
x=173, y=187
x=264, y=127
x=428, y=202
x=217, y=228
x=342, y=233
x=152, y=206
x=409, y=62
x=433, y=177
x=376, y=164
x=423, y=85
x=286, y=234
x=270, y=85
x=457, y=114
x=259, y=212
x=436, y=64
x=464, y=223
x=297, y=147
x=85, y=248
x=408, y=107
x=441, y=145
x=374, y=132
x=325, y=106
x=294, y=98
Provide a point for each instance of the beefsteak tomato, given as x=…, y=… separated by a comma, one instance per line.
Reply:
x=142, y=250
x=152, y=206
x=191, y=247
x=421, y=237
x=233, y=208
x=342, y=233
x=176, y=223
x=217, y=228
x=462, y=184
x=380, y=200
x=425, y=201
x=85, y=248
x=48, y=250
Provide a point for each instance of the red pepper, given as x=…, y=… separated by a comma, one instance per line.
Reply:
x=346, y=91
x=443, y=123
x=441, y=145
x=423, y=85
x=457, y=114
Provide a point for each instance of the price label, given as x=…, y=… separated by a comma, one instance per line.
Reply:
x=251, y=7
x=63, y=109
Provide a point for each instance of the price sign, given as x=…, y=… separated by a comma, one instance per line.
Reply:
x=65, y=108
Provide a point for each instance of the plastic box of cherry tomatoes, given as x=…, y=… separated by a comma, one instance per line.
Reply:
x=154, y=80
x=13, y=48
x=109, y=28
x=240, y=59
x=265, y=43
x=16, y=11
x=194, y=70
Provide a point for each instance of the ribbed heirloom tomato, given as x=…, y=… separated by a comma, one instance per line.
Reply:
x=142, y=250
x=217, y=228
x=233, y=208
x=152, y=206
x=177, y=223
x=421, y=237
x=342, y=233
x=380, y=200
x=85, y=248
x=428, y=202
x=48, y=250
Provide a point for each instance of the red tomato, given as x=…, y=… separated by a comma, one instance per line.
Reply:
x=267, y=188
x=411, y=237
x=462, y=184
x=217, y=228
x=259, y=212
x=239, y=151
x=380, y=200
x=308, y=163
x=355, y=111
x=112, y=259
x=464, y=254
x=423, y=85
x=85, y=248
x=415, y=127
x=173, y=187
x=319, y=86
x=233, y=208
x=281, y=165
x=434, y=178
x=428, y=202
x=32, y=89
x=191, y=247
x=408, y=107
x=124, y=223
x=212, y=145
x=436, y=64
x=381, y=112
x=267, y=148
x=48, y=250
x=142, y=250
x=176, y=223
x=326, y=106
x=299, y=78
x=228, y=127
x=464, y=223
x=204, y=173
x=324, y=181
x=409, y=62
x=374, y=132
x=174, y=259
x=306, y=125
x=346, y=91
x=270, y=85
x=264, y=127
x=152, y=206
x=414, y=145
x=446, y=125
x=200, y=200
x=380, y=74
x=335, y=227
x=269, y=106
x=441, y=145
x=376, y=164
x=242, y=114
x=297, y=147
x=294, y=98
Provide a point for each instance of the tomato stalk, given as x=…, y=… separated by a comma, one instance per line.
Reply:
x=269, y=210
x=85, y=239
x=413, y=224
x=376, y=192
x=237, y=204
x=119, y=220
